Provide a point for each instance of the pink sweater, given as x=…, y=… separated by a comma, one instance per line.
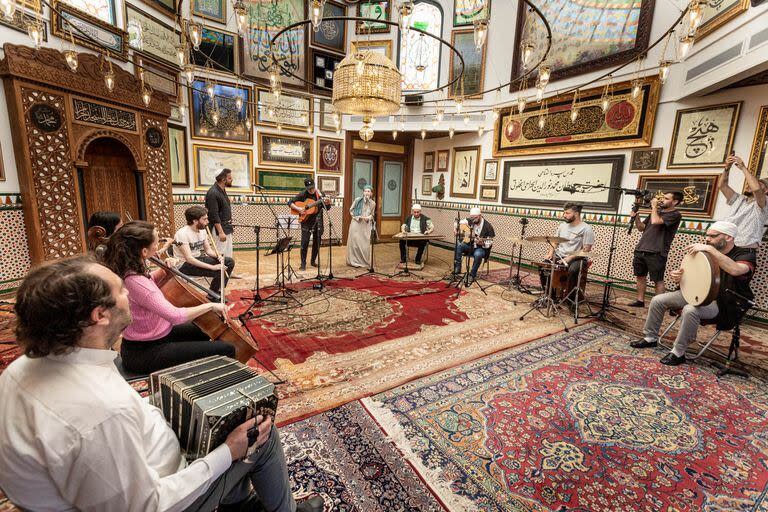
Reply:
x=153, y=316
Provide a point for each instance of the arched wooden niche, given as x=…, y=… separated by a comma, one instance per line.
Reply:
x=56, y=115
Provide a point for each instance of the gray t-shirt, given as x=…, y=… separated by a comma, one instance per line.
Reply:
x=578, y=236
x=750, y=219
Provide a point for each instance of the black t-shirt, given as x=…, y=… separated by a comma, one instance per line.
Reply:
x=730, y=307
x=305, y=197
x=658, y=237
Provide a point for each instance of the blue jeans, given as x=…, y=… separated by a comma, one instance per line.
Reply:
x=478, y=253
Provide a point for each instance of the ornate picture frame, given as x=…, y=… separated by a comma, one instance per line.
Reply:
x=178, y=160
x=331, y=35
x=209, y=160
x=489, y=193
x=330, y=155
x=471, y=83
x=379, y=10
x=429, y=161
x=758, y=157
x=231, y=126
x=465, y=12
x=285, y=150
x=645, y=160
x=108, y=15
x=567, y=63
x=383, y=47
x=715, y=17
x=150, y=36
x=703, y=136
x=326, y=116
x=158, y=76
x=20, y=22
x=107, y=35
x=292, y=111
x=329, y=185
x=426, y=184
x=464, y=173
x=221, y=47
x=442, y=160
x=214, y=10
x=699, y=191
x=322, y=67
x=282, y=181
x=490, y=171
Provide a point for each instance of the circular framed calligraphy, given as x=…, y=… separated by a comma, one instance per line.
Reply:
x=330, y=156
x=154, y=137
x=620, y=115
x=512, y=131
x=361, y=183
x=45, y=117
x=392, y=185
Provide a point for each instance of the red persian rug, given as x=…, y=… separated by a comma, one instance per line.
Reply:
x=349, y=314
x=580, y=421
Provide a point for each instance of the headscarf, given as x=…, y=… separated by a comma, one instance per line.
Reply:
x=357, y=208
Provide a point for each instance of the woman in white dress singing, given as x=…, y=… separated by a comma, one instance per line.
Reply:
x=359, y=240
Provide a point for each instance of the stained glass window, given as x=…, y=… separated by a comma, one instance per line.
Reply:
x=420, y=54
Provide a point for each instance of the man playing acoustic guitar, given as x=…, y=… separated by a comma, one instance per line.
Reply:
x=307, y=204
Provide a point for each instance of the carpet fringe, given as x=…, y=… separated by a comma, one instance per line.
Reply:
x=436, y=481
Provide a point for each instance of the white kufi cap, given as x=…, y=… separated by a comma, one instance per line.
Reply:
x=416, y=207
x=475, y=211
x=725, y=227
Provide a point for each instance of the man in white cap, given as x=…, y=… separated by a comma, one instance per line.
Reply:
x=418, y=224
x=477, y=242
x=737, y=266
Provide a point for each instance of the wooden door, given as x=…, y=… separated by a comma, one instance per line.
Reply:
x=109, y=182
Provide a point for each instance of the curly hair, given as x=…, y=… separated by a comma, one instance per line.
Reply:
x=123, y=253
x=54, y=304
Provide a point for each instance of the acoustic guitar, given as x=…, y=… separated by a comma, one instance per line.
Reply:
x=311, y=208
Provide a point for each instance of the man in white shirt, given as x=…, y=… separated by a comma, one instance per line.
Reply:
x=75, y=435
x=196, y=252
x=749, y=211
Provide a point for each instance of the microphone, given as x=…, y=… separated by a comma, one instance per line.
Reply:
x=569, y=188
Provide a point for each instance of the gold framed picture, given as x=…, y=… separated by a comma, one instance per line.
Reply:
x=330, y=155
x=466, y=161
x=759, y=154
x=429, y=161
x=490, y=171
x=285, y=150
x=210, y=160
x=382, y=47
x=443, y=155
x=426, y=184
x=645, y=160
x=489, y=193
x=703, y=136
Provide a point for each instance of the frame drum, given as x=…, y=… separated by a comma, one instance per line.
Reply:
x=700, y=282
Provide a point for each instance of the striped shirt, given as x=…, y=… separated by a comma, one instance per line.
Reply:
x=750, y=219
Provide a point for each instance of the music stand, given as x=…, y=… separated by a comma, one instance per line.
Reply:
x=287, y=223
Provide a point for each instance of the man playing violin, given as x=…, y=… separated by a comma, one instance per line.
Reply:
x=580, y=238
x=312, y=225
x=477, y=242
x=737, y=266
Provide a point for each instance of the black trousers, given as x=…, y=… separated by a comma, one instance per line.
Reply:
x=192, y=270
x=315, y=231
x=420, y=244
x=185, y=342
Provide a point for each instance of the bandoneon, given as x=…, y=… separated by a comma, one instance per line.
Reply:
x=204, y=400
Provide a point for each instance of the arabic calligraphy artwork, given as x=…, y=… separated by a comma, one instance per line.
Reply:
x=703, y=136
x=231, y=123
x=20, y=22
x=101, y=9
x=329, y=155
x=645, y=160
x=177, y=148
x=277, y=181
x=627, y=123
x=541, y=182
x=210, y=160
x=150, y=36
x=466, y=162
x=429, y=161
x=471, y=83
x=285, y=150
x=215, y=10
x=291, y=111
x=159, y=76
x=374, y=11
x=45, y=117
x=267, y=18
x=426, y=184
x=715, y=13
x=489, y=193
x=326, y=117
x=217, y=48
x=331, y=35
x=328, y=184
x=465, y=12
x=104, y=34
x=699, y=191
x=758, y=158
x=442, y=160
x=323, y=67
x=103, y=115
x=586, y=36
x=382, y=47
x=490, y=171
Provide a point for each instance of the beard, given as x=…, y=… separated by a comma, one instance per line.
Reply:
x=719, y=245
x=121, y=320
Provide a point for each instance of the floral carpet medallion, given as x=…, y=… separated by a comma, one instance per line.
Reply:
x=580, y=421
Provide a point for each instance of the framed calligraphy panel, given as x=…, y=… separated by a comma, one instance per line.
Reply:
x=150, y=36
x=426, y=184
x=231, y=123
x=323, y=66
x=382, y=47
x=372, y=10
x=757, y=158
x=277, y=181
x=101, y=9
x=442, y=160
x=699, y=190
x=645, y=160
x=715, y=13
x=489, y=193
x=331, y=35
x=703, y=136
x=177, y=148
x=210, y=160
x=466, y=12
x=627, y=123
x=101, y=114
x=265, y=19
x=329, y=155
x=285, y=150
x=466, y=162
x=101, y=34
x=327, y=121
x=215, y=10
x=541, y=182
x=219, y=48
x=490, y=171
x=20, y=23
x=291, y=111
x=429, y=161
x=329, y=184
x=159, y=76
x=471, y=83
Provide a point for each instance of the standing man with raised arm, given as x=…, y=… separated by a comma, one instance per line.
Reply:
x=749, y=211
x=220, y=211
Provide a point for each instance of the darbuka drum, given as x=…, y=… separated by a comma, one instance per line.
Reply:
x=700, y=282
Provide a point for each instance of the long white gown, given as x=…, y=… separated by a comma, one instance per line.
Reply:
x=359, y=239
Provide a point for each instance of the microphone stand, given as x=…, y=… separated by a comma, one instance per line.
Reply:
x=452, y=277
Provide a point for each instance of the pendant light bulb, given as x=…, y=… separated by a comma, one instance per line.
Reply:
x=215, y=117
x=423, y=134
x=459, y=105
x=8, y=8
x=466, y=118
x=545, y=73
x=239, y=102
x=480, y=131
x=451, y=131
x=35, y=32
x=336, y=119
x=480, y=33
x=521, y=103
x=146, y=96
x=402, y=125
x=440, y=115
x=539, y=93
x=316, y=14
x=605, y=103
x=71, y=57
x=189, y=73
x=360, y=64
x=495, y=114
x=684, y=46
x=394, y=134
x=109, y=79
x=406, y=10
x=542, y=122
x=248, y=123
x=574, y=114
x=210, y=90
x=664, y=66
x=637, y=88
x=241, y=16
x=181, y=54
x=527, y=54
x=195, y=32
x=695, y=14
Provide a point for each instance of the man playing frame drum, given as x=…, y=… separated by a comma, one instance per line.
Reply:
x=737, y=266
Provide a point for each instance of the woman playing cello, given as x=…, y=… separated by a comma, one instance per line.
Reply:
x=160, y=334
